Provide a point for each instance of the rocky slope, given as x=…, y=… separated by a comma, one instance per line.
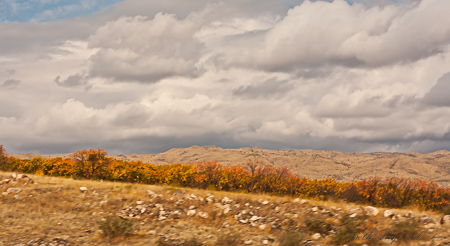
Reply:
x=45, y=211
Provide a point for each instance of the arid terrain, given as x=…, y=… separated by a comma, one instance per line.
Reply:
x=312, y=164
x=51, y=211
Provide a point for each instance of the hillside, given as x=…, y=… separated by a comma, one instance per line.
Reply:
x=312, y=164
x=40, y=210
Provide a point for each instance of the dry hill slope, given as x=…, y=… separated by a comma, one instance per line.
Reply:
x=313, y=164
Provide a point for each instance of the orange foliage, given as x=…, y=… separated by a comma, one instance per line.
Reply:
x=253, y=176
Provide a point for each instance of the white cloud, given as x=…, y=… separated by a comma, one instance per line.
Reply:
x=148, y=76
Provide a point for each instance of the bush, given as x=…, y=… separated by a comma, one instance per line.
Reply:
x=349, y=228
x=446, y=210
x=114, y=227
x=231, y=238
x=193, y=242
x=404, y=231
x=317, y=224
x=291, y=238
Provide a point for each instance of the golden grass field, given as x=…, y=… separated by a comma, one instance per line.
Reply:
x=53, y=211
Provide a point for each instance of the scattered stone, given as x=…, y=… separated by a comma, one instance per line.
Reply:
x=316, y=236
x=191, y=212
x=265, y=202
x=254, y=218
x=426, y=220
x=210, y=199
x=248, y=242
x=372, y=211
x=83, y=189
x=353, y=215
x=445, y=219
x=203, y=214
x=226, y=200
x=139, y=202
x=13, y=190
x=389, y=213
x=409, y=215
x=265, y=242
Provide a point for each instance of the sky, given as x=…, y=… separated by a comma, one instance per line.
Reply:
x=146, y=76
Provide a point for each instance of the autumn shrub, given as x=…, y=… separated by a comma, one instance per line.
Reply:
x=317, y=224
x=113, y=227
x=446, y=210
x=254, y=176
x=193, y=241
x=404, y=231
x=349, y=228
x=228, y=239
x=291, y=238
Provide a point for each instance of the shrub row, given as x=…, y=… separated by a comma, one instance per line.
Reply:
x=251, y=177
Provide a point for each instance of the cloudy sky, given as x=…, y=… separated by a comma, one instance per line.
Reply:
x=145, y=76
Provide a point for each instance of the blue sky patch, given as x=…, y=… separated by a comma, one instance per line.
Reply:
x=49, y=10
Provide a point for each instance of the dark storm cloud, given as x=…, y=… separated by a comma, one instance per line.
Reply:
x=10, y=83
x=439, y=95
x=268, y=89
x=72, y=81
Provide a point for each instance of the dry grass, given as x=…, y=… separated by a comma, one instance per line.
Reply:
x=56, y=208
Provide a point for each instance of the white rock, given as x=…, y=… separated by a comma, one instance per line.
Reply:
x=191, y=212
x=191, y=207
x=226, y=200
x=226, y=210
x=210, y=199
x=13, y=190
x=389, y=213
x=248, y=242
x=17, y=197
x=151, y=193
x=265, y=202
x=372, y=211
x=203, y=214
x=139, y=202
x=162, y=218
x=296, y=200
x=316, y=236
x=445, y=219
x=353, y=215
x=409, y=215
x=254, y=218
x=244, y=221
x=83, y=189
x=265, y=242
x=262, y=227
x=315, y=209
x=4, y=193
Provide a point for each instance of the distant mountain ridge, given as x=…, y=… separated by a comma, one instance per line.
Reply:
x=312, y=164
